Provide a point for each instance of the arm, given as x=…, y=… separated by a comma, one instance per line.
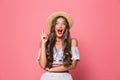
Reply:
x=63, y=68
x=43, y=59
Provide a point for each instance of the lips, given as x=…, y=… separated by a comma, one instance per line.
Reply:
x=59, y=31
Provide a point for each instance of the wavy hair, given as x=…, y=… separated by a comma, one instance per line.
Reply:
x=66, y=44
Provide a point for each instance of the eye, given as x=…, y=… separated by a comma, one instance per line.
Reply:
x=63, y=23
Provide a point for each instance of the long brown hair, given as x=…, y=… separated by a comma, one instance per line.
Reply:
x=66, y=41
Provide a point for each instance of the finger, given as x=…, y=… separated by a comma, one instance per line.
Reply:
x=42, y=31
x=44, y=37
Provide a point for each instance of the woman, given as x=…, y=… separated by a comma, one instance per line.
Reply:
x=59, y=52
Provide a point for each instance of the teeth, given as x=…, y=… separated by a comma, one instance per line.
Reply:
x=59, y=30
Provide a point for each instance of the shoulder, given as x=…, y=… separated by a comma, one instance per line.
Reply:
x=74, y=42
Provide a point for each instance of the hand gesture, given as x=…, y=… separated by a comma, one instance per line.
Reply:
x=44, y=37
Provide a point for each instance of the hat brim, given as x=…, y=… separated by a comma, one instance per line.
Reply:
x=54, y=15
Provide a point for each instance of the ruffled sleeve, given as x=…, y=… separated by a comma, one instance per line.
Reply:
x=75, y=53
x=38, y=57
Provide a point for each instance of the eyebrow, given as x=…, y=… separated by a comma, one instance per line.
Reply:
x=58, y=21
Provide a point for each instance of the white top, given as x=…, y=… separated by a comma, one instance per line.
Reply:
x=58, y=55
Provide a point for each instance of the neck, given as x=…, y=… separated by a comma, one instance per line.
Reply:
x=58, y=39
x=58, y=42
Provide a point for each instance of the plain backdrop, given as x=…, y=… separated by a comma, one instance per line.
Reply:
x=96, y=26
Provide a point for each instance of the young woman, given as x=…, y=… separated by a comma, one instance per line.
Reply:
x=58, y=51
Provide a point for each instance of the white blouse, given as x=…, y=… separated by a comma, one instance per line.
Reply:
x=58, y=55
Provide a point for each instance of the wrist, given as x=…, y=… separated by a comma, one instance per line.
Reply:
x=43, y=44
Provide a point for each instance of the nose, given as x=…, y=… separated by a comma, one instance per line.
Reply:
x=60, y=25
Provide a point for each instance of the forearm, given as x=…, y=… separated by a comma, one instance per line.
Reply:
x=61, y=68
x=43, y=59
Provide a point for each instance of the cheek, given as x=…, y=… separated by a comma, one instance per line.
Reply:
x=56, y=26
x=55, y=30
x=64, y=27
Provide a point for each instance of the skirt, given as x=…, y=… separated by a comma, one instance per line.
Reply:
x=56, y=76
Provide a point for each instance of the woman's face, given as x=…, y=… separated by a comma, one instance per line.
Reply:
x=60, y=27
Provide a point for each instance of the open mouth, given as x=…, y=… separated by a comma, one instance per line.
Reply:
x=59, y=31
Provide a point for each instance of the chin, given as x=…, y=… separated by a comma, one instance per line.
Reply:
x=59, y=36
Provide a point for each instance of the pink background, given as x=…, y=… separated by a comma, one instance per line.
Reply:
x=96, y=26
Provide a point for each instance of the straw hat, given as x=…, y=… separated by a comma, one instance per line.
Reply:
x=54, y=15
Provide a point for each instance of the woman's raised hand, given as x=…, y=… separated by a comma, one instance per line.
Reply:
x=44, y=37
